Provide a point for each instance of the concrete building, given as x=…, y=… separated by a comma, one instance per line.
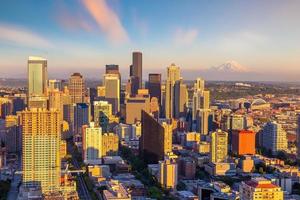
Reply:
x=102, y=112
x=92, y=144
x=116, y=191
x=260, y=189
x=76, y=88
x=41, y=134
x=111, y=83
x=218, y=146
x=110, y=144
x=167, y=173
x=243, y=142
x=274, y=137
x=81, y=117
x=135, y=105
x=156, y=139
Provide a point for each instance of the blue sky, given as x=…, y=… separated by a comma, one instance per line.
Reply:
x=84, y=35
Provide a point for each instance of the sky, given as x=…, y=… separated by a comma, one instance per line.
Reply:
x=83, y=35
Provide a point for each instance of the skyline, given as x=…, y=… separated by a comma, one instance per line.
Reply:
x=75, y=37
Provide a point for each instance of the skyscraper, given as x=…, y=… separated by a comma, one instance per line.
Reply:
x=55, y=84
x=137, y=64
x=92, y=144
x=218, y=146
x=76, y=88
x=274, y=137
x=154, y=86
x=180, y=99
x=156, y=139
x=135, y=105
x=41, y=131
x=81, y=117
x=102, y=111
x=111, y=82
x=37, y=76
x=173, y=75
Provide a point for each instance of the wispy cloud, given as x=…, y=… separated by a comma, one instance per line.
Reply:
x=185, y=36
x=107, y=19
x=22, y=36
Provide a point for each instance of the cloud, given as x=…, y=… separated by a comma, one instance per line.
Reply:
x=107, y=20
x=22, y=36
x=185, y=37
x=72, y=20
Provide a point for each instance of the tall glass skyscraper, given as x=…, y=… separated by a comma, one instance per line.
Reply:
x=37, y=76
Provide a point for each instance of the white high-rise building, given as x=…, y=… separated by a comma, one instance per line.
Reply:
x=92, y=144
x=274, y=137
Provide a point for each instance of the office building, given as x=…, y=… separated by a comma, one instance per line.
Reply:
x=12, y=135
x=243, y=142
x=218, y=146
x=92, y=144
x=137, y=67
x=260, y=189
x=236, y=122
x=167, y=173
x=54, y=84
x=41, y=130
x=156, y=138
x=111, y=83
x=81, y=117
x=173, y=75
x=102, y=112
x=274, y=137
x=180, y=99
x=135, y=105
x=201, y=100
x=37, y=76
x=110, y=144
x=154, y=86
x=203, y=121
x=116, y=190
x=76, y=88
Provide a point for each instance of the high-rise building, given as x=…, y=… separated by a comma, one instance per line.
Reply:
x=156, y=139
x=112, y=69
x=37, y=76
x=274, y=137
x=154, y=86
x=137, y=67
x=260, y=189
x=199, y=84
x=110, y=144
x=203, y=119
x=243, y=142
x=92, y=144
x=167, y=173
x=180, y=99
x=111, y=82
x=201, y=100
x=102, y=112
x=12, y=135
x=77, y=88
x=173, y=75
x=55, y=84
x=135, y=105
x=81, y=117
x=218, y=146
x=41, y=130
x=236, y=122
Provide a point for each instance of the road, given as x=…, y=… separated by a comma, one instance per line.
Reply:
x=82, y=188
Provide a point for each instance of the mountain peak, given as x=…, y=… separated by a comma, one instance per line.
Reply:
x=230, y=66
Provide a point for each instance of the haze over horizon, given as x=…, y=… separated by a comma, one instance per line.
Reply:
x=239, y=40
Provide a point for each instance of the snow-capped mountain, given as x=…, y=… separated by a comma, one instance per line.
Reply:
x=230, y=66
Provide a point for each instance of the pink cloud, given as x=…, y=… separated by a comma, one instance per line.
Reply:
x=107, y=20
x=21, y=36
